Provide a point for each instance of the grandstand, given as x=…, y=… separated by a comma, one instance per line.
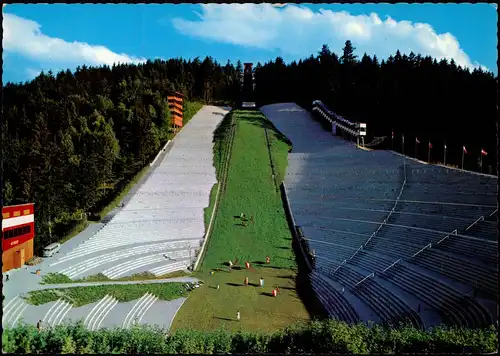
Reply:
x=161, y=228
x=405, y=241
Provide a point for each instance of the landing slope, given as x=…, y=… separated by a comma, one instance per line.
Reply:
x=162, y=226
x=250, y=190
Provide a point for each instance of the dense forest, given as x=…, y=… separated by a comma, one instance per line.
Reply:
x=415, y=95
x=71, y=141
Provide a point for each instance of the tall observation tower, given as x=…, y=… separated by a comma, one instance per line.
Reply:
x=248, y=86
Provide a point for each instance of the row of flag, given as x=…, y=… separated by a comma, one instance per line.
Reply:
x=483, y=152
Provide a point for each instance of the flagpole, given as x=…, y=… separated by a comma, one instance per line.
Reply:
x=416, y=147
x=403, y=139
x=392, y=139
x=445, y=153
x=429, y=153
x=481, y=162
x=463, y=153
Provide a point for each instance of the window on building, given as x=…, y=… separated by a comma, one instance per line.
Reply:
x=18, y=231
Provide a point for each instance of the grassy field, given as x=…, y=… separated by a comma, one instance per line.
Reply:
x=250, y=189
x=79, y=296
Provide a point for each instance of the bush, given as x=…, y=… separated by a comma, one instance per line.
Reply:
x=315, y=337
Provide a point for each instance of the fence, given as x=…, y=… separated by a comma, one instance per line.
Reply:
x=159, y=153
x=293, y=227
x=268, y=144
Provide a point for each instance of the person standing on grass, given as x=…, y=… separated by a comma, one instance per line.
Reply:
x=262, y=282
x=238, y=315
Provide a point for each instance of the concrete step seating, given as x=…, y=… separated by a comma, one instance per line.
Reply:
x=13, y=311
x=455, y=308
x=57, y=312
x=452, y=266
x=371, y=261
x=126, y=267
x=487, y=230
x=392, y=310
x=137, y=312
x=95, y=262
x=351, y=240
x=402, y=249
x=488, y=252
x=446, y=198
x=448, y=210
x=331, y=251
x=364, y=228
x=431, y=222
x=109, y=241
x=333, y=301
x=99, y=312
x=80, y=251
x=171, y=267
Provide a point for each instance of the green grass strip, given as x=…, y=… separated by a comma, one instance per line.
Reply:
x=79, y=296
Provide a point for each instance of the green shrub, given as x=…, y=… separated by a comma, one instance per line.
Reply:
x=315, y=337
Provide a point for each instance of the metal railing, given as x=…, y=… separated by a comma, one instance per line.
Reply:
x=340, y=265
x=391, y=265
x=475, y=222
x=454, y=232
x=395, y=203
x=493, y=213
x=361, y=281
x=427, y=246
x=354, y=254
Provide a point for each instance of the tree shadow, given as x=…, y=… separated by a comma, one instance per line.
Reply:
x=259, y=263
x=267, y=294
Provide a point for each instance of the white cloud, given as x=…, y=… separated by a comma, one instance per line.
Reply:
x=298, y=31
x=33, y=73
x=23, y=36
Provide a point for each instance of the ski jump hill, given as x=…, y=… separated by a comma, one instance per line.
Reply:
x=159, y=230
x=394, y=240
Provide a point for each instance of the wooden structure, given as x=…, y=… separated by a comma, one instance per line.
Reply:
x=175, y=104
x=18, y=233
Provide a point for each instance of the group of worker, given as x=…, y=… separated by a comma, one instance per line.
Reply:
x=244, y=219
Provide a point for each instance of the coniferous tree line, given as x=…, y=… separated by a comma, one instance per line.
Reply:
x=418, y=96
x=71, y=141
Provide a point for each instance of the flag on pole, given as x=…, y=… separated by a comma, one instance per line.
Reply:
x=430, y=144
x=465, y=151
x=416, y=140
x=483, y=152
x=392, y=133
x=445, y=146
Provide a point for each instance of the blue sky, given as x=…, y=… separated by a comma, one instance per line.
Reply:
x=42, y=37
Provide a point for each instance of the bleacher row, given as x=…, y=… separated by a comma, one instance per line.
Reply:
x=344, y=200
